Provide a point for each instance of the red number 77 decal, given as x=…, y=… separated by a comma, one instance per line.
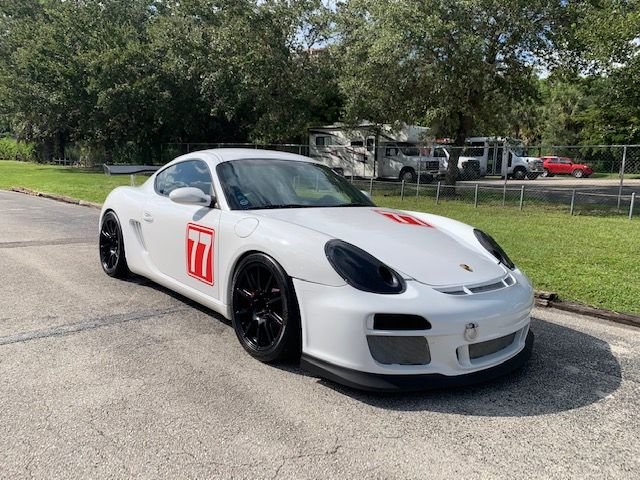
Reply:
x=200, y=252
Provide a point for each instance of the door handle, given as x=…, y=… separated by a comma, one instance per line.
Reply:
x=147, y=217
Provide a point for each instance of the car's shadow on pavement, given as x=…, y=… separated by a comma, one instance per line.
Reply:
x=567, y=370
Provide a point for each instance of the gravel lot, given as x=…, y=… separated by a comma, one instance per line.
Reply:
x=102, y=378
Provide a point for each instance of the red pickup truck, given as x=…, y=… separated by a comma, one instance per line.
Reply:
x=564, y=166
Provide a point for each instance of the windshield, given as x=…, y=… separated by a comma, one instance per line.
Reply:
x=260, y=184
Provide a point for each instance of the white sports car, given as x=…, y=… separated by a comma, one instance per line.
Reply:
x=306, y=266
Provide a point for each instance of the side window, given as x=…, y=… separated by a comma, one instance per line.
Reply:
x=190, y=173
x=323, y=140
x=473, y=149
x=370, y=144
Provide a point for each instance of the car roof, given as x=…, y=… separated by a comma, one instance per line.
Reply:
x=220, y=155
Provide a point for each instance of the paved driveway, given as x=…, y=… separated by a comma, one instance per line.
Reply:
x=102, y=378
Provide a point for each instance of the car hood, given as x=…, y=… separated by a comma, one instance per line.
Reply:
x=415, y=249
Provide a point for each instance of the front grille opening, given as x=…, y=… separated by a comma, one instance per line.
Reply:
x=399, y=350
x=397, y=321
x=482, y=349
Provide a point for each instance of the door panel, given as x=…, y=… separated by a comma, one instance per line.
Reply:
x=182, y=239
x=183, y=243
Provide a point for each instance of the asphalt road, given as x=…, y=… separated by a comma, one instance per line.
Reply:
x=102, y=378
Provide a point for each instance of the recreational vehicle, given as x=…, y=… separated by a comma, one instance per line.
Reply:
x=379, y=151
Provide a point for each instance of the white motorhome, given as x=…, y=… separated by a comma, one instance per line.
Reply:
x=502, y=156
x=372, y=150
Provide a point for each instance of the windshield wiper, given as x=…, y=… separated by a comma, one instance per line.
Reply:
x=356, y=204
x=283, y=205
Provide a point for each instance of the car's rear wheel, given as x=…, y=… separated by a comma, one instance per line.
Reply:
x=111, y=246
x=577, y=173
x=546, y=173
x=265, y=313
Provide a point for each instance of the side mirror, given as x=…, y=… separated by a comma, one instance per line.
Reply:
x=191, y=196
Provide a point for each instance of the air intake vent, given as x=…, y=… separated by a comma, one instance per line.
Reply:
x=482, y=349
x=399, y=350
x=473, y=289
x=487, y=288
x=397, y=321
x=137, y=229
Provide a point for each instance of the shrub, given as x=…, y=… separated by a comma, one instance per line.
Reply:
x=12, y=149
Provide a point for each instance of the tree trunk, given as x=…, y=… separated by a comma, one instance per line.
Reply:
x=464, y=127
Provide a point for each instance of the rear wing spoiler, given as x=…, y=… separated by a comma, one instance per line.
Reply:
x=131, y=170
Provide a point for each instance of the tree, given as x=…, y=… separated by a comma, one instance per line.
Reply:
x=116, y=74
x=452, y=65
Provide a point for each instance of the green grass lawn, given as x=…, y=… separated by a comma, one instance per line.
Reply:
x=593, y=260
x=69, y=181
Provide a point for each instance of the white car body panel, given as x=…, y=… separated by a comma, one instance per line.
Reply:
x=336, y=318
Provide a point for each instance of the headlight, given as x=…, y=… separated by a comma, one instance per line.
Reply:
x=493, y=248
x=361, y=270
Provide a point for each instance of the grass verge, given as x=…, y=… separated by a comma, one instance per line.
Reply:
x=69, y=181
x=592, y=260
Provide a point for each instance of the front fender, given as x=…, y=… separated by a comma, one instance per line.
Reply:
x=299, y=250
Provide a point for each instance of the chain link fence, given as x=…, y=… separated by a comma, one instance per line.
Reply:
x=507, y=195
x=584, y=180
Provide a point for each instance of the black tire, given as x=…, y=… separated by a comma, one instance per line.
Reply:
x=519, y=173
x=577, y=173
x=408, y=175
x=264, y=310
x=111, y=247
x=546, y=173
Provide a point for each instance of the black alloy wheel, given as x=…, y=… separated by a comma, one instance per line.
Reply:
x=111, y=246
x=265, y=313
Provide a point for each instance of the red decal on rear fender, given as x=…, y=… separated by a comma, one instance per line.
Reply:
x=404, y=218
x=200, y=241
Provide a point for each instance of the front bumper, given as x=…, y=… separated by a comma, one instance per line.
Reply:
x=338, y=326
x=376, y=382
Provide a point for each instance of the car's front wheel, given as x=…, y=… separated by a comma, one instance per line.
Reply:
x=519, y=173
x=577, y=173
x=265, y=313
x=111, y=246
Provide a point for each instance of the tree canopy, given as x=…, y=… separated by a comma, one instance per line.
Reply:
x=117, y=74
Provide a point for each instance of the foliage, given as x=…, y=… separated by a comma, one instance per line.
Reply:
x=11, y=149
x=119, y=78
x=149, y=72
x=443, y=63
